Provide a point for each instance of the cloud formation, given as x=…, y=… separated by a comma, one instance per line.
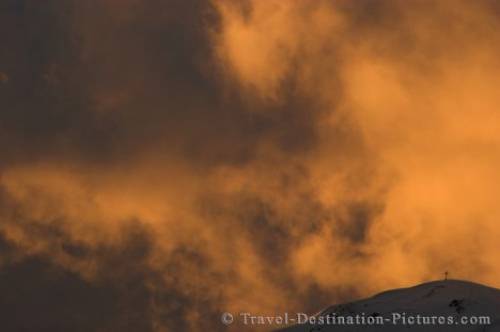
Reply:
x=177, y=159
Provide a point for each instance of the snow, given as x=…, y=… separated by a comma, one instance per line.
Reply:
x=447, y=298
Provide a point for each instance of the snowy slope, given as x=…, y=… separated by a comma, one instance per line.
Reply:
x=451, y=299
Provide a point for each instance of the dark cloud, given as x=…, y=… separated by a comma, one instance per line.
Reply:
x=103, y=81
x=38, y=295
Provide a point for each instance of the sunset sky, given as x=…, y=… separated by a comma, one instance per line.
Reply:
x=163, y=161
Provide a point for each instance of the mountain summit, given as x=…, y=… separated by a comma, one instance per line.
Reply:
x=449, y=305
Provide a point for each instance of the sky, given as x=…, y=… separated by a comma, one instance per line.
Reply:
x=164, y=161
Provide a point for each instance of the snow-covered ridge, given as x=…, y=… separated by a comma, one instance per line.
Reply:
x=462, y=304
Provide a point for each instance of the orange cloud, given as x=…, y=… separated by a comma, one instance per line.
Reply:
x=289, y=149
